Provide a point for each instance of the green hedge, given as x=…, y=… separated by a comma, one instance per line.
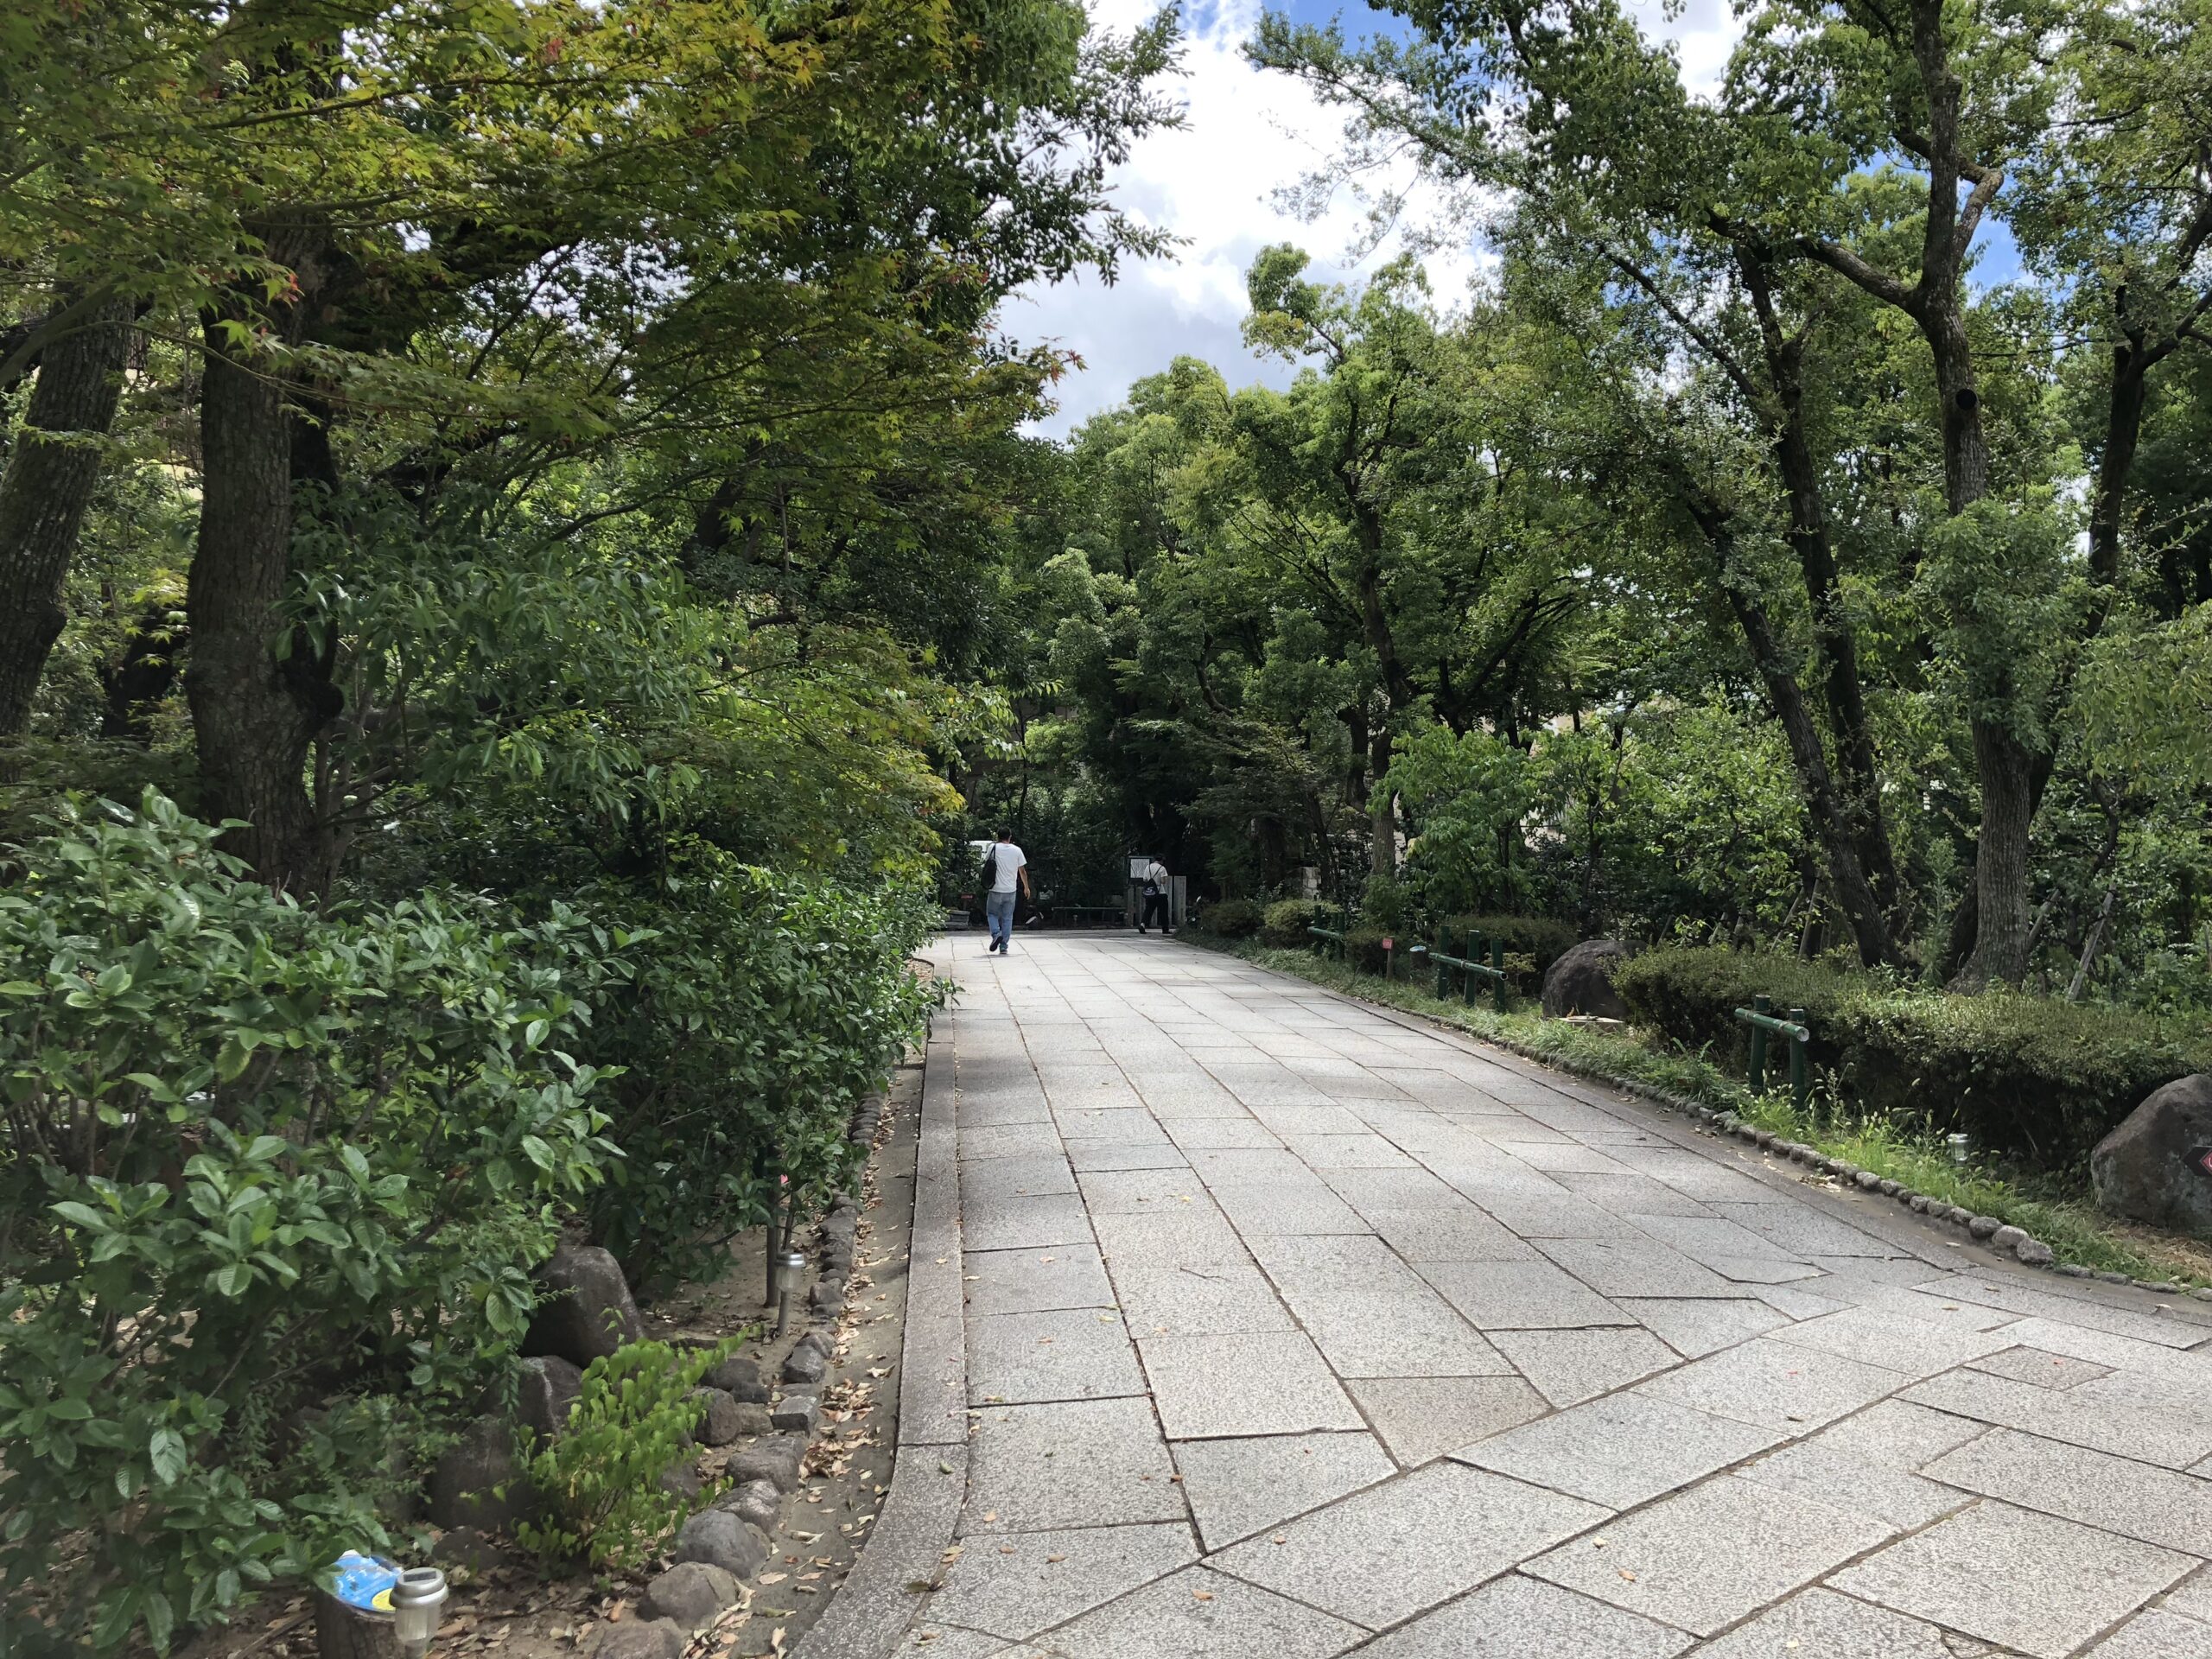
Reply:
x=1286, y=919
x=1232, y=919
x=1541, y=938
x=2040, y=1079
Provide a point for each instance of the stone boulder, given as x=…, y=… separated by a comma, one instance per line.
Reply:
x=721, y=1539
x=691, y=1594
x=738, y=1376
x=2143, y=1170
x=757, y=1501
x=480, y=1481
x=546, y=1387
x=642, y=1638
x=722, y=1418
x=587, y=1312
x=1582, y=980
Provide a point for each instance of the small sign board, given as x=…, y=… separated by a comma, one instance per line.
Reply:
x=1138, y=863
x=1389, y=944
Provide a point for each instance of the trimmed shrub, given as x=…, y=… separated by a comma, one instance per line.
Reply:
x=1286, y=921
x=1232, y=919
x=2040, y=1079
x=1541, y=938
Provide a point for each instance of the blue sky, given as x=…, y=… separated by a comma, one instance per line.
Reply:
x=1248, y=136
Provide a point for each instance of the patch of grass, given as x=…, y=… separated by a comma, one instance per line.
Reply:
x=2044, y=1205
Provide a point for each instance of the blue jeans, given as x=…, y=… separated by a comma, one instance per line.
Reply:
x=998, y=909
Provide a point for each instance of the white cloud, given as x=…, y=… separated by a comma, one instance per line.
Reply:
x=1248, y=134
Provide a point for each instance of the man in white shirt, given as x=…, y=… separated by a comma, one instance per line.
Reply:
x=1007, y=868
x=1156, y=889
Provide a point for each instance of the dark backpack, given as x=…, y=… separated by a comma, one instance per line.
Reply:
x=990, y=869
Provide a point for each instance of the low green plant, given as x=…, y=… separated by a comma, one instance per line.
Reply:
x=273, y=1182
x=1284, y=924
x=1232, y=919
x=2032, y=1077
x=1541, y=940
x=600, y=1479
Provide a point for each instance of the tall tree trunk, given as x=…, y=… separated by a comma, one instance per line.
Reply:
x=1831, y=823
x=255, y=716
x=1382, y=803
x=2116, y=459
x=52, y=471
x=1859, y=778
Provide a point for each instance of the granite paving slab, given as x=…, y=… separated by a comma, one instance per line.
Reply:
x=1517, y=1617
x=1704, y=1558
x=2157, y=1635
x=1391, y=1550
x=2012, y=1576
x=1421, y=1418
x=1776, y=1385
x=1568, y=1367
x=1199, y=1614
x=1080, y=1463
x=1695, y=1326
x=1282, y=1385
x=1067, y=1354
x=1019, y=1585
x=1623, y=1449
x=1238, y=1487
x=1520, y=1295
x=1821, y=1624
x=1866, y=1463
x=1035, y=1282
x=2117, y=1495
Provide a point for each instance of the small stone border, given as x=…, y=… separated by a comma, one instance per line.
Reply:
x=2024, y=1246
x=724, y=1544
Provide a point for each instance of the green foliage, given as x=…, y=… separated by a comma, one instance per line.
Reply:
x=600, y=1479
x=1233, y=918
x=1539, y=938
x=1285, y=922
x=274, y=1184
x=2040, y=1079
x=762, y=1011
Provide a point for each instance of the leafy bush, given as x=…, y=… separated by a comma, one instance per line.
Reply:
x=762, y=1010
x=1232, y=919
x=273, y=1184
x=600, y=1479
x=1540, y=939
x=2041, y=1080
x=1364, y=948
x=1285, y=922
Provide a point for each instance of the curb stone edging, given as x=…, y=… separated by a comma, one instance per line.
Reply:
x=929, y=1482
x=2024, y=1246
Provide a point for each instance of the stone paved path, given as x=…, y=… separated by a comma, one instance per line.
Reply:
x=1293, y=1331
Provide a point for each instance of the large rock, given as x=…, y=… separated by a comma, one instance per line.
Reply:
x=738, y=1376
x=757, y=1501
x=691, y=1594
x=642, y=1638
x=778, y=1461
x=2143, y=1169
x=480, y=1481
x=721, y=1539
x=1582, y=981
x=546, y=1387
x=587, y=1311
x=722, y=1418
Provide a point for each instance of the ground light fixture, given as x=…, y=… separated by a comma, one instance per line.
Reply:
x=1961, y=1146
x=414, y=1603
x=791, y=1271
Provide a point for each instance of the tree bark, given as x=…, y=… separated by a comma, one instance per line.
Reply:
x=254, y=716
x=1382, y=803
x=52, y=469
x=1858, y=780
x=1831, y=826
